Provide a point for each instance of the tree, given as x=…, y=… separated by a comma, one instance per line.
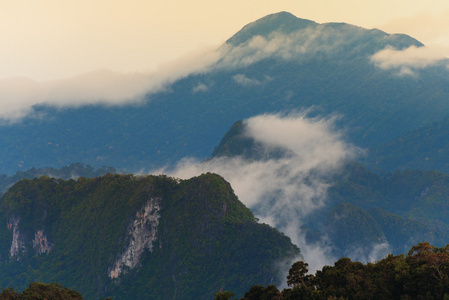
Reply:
x=259, y=292
x=226, y=295
x=297, y=274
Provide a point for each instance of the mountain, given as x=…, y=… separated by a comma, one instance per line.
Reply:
x=136, y=237
x=282, y=22
x=407, y=207
x=425, y=148
x=351, y=228
x=279, y=63
x=362, y=208
x=72, y=171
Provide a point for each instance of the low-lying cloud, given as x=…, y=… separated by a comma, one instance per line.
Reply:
x=283, y=190
x=19, y=95
x=320, y=39
x=104, y=87
x=409, y=60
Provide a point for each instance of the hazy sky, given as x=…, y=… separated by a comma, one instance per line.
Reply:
x=50, y=39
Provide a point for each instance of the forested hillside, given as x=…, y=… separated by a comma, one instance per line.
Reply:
x=421, y=274
x=362, y=208
x=133, y=237
x=72, y=171
x=425, y=148
x=346, y=157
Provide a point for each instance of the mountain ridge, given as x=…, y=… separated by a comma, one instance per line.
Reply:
x=328, y=70
x=283, y=22
x=286, y=23
x=139, y=237
x=363, y=208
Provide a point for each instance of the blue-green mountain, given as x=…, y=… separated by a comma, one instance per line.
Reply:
x=362, y=208
x=156, y=237
x=425, y=147
x=279, y=63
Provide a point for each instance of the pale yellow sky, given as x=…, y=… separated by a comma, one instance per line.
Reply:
x=49, y=39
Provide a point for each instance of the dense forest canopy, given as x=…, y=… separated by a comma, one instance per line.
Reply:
x=136, y=237
x=421, y=274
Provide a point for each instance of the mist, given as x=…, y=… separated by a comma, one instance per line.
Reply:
x=409, y=60
x=282, y=190
x=103, y=87
x=109, y=87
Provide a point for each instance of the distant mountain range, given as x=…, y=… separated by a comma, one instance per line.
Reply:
x=363, y=209
x=279, y=63
x=373, y=181
x=426, y=147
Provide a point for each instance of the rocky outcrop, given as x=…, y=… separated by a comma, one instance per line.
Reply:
x=17, y=244
x=142, y=233
x=41, y=243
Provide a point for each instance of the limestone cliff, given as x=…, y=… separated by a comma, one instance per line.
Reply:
x=142, y=233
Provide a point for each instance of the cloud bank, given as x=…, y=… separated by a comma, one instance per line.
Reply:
x=322, y=38
x=19, y=95
x=409, y=60
x=283, y=190
x=104, y=87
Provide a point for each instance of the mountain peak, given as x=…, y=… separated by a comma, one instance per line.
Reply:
x=286, y=23
x=283, y=22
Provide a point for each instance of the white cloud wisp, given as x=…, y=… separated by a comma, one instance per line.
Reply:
x=19, y=95
x=409, y=60
x=283, y=190
x=104, y=87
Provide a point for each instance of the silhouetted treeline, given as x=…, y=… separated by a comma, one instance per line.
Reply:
x=421, y=274
x=37, y=290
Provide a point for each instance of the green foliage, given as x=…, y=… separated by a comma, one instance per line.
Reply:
x=206, y=238
x=41, y=291
x=73, y=170
x=297, y=273
x=226, y=295
x=259, y=292
x=221, y=247
x=422, y=274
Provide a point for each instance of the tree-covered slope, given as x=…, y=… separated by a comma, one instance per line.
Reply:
x=363, y=208
x=276, y=64
x=426, y=148
x=421, y=274
x=133, y=237
x=351, y=227
x=71, y=171
x=38, y=291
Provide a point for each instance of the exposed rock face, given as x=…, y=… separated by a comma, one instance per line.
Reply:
x=142, y=232
x=18, y=244
x=40, y=243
